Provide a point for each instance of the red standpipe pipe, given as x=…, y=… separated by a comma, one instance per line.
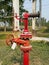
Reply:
x=25, y=25
x=25, y=51
x=25, y=20
x=26, y=58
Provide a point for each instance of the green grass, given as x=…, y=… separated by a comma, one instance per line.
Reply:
x=8, y=56
x=3, y=35
x=42, y=34
x=39, y=54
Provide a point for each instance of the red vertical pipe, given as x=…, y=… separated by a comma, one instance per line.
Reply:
x=26, y=25
x=25, y=50
x=26, y=58
x=25, y=15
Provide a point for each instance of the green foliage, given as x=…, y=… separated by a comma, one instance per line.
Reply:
x=43, y=21
x=47, y=24
x=7, y=6
x=6, y=10
x=21, y=7
x=30, y=22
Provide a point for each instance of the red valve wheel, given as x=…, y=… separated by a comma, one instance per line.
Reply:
x=9, y=39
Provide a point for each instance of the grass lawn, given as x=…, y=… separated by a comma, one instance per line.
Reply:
x=7, y=55
x=3, y=35
x=42, y=34
x=39, y=54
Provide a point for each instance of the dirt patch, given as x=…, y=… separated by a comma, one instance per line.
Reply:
x=0, y=62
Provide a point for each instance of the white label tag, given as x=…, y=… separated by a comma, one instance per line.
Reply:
x=13, y=46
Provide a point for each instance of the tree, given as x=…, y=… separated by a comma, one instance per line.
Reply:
x=43, y=22
x=47, y=24
x=7, y=6
x=21, y=7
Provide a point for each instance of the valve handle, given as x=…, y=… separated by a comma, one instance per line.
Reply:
x=9, y=39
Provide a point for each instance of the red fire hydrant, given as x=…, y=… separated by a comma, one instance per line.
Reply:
x=25, y=47
x=23, y=41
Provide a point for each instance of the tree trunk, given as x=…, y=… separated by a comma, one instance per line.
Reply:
x=34, y=19
x=40, y=4
x=5, y=26
x=16, y=11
